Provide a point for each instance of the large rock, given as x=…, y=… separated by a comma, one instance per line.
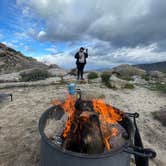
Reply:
x=139, y=80
x=127, y=71
x=13, y=77
x=58, y=72
x=156, y=74
x=73, y=72
x=117, y=82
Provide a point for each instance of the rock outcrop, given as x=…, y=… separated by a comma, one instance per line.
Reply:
x=13, y=61
x=128, y=70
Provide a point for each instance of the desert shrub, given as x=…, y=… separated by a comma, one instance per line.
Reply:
x=93, y=75
x=146, y=77
x=158, y=87
x=126, y=77
x=105, y=77
x=109, y=85
x=129, y=86
x=34, y=75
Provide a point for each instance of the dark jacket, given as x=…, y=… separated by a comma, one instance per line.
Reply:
x=77, y=57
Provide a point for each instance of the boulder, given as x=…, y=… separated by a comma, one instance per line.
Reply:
x=127, y=71
x=57, y=72
x=73, y=72
x=156, y=74
x=13, y=77
x=117, y=82
x=139, y=80
x=53, y=66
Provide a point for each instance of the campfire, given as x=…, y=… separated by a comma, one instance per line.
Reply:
x=91, y=126
x=90, y=132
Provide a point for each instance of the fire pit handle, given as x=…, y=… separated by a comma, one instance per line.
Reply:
x=132, y=115
x=141, y=152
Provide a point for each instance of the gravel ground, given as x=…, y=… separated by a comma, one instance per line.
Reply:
x=19, y=137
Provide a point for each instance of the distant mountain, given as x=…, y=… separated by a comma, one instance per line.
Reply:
x=13, y=61
x=160, y=66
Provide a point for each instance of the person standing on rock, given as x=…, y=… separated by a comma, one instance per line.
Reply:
x=81, y=56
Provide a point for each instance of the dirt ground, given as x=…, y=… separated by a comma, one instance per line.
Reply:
x=19, y=136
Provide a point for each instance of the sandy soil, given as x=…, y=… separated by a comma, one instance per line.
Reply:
x=19, y=137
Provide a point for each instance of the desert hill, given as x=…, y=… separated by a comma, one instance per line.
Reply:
x=13, y=61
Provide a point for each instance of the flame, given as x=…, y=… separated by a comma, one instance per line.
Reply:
x=69, y=107
x=110, y=115
x=114, y=132
x=107, y=117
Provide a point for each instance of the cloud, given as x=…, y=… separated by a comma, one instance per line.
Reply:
x=60, y=59
x=28, y=48
x=21, y=35
x=10, y=44
x=121, y=31
x=120, y=22
x=42, y=35
x=26, y=11
x=52, y=50
x=110, y=59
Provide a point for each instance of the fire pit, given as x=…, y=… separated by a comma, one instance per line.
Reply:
x=90, y=132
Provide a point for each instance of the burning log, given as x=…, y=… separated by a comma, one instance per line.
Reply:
x=87, y=136
x=92, y=126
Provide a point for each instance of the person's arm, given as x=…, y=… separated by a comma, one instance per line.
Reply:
x=77, y=55
x=86, y=53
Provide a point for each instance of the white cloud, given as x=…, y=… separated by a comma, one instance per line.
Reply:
x=26, y=11
x=95, y=60
x=21, y=35
x=52, y=50
x=10, y=44
x=42, y=35
x=28, y=48
x=138, y=54
x=74, y=19
x=64, y=60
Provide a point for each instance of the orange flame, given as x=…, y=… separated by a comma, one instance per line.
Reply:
x=114, y=132
x=69, y=107
x=107, y=116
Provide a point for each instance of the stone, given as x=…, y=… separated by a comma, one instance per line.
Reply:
x=118, y=83
x=139, y=80
x=156, y=74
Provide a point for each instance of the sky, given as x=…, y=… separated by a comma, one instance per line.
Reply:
x=115, y=32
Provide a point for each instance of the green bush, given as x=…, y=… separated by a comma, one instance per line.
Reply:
x=158, y=87
x=92, y=75
x=34, y=75
x=146, y=77
x=105, y=77
x=126, y=77
x=129, y=86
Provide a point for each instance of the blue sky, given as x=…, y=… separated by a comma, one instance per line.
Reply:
x=16, y=29
x=114, y=32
